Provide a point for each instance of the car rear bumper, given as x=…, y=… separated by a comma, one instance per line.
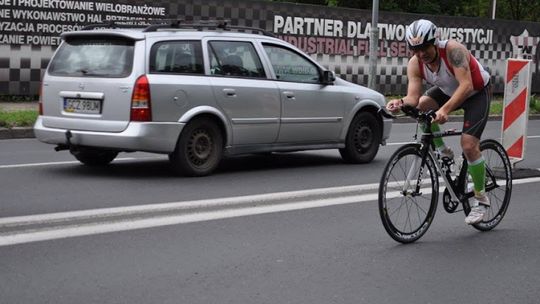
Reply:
x=159, y=137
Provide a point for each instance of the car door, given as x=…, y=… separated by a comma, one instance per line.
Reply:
x=176, y=77
x=311, y=111
x=243, y=91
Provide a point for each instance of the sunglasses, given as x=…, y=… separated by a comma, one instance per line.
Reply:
x=418, y=48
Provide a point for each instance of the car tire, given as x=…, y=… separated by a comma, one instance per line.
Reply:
x=94, y=157
x=363, y=139
x=199, y=149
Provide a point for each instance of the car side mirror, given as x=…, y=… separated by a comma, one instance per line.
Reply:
x=328, y=77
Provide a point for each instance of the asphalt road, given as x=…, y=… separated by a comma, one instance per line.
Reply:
x=135, y=233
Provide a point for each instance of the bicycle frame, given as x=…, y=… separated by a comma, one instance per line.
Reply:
x=455, y=186
x=426, y=149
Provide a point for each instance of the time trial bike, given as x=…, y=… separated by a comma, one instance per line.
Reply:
x=409, y=186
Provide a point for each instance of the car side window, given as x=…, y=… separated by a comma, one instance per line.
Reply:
x=235, y=58
x=291, y=66
x=177, y=57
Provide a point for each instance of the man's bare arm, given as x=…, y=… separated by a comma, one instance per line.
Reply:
x=459, y=58
x=414, y=88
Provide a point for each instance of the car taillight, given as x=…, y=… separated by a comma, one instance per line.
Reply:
x=141, y=109
x=40, y=102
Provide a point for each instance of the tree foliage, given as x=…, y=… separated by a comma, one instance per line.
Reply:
x=505, y=9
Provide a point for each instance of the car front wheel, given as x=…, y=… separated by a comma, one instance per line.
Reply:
x=363, y=138
x=199, y=149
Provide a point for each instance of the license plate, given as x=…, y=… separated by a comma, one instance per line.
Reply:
x=84, y=106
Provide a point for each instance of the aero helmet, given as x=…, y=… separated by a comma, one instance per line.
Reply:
x=420, y=34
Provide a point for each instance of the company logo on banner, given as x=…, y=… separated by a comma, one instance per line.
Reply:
x=524, y=45
x=352, y=37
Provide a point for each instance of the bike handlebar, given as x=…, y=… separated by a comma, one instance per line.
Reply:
x=412, y=112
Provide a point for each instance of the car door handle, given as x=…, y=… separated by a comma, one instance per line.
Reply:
x=289, y=95
x=229, y=92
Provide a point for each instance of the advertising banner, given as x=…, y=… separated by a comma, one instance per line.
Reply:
x=336, y=37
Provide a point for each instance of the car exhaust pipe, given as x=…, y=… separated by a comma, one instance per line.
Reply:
x=68, y=145
x=61, y=148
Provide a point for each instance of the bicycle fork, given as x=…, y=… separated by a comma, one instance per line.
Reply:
x=416, y=172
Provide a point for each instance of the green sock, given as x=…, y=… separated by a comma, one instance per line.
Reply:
x=435, y=128
x=477, y=170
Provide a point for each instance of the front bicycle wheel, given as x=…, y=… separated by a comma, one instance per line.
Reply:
x=408, y=194
x=498, y=183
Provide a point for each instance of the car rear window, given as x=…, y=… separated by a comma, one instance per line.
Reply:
x=94, y=57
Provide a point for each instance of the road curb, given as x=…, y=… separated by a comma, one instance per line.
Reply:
x=17, y=132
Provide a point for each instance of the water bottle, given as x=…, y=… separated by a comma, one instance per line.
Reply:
x=458, y=164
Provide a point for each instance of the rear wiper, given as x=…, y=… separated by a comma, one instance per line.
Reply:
x=87, y=72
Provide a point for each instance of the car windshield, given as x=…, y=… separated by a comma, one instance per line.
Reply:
x=93, y=57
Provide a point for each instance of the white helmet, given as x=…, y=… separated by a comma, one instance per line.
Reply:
x=421, y=33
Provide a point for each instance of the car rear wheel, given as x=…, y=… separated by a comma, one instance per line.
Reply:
x=363, y=138
x=199, y=149
x=94, y=157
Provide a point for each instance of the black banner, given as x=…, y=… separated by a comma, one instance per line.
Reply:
x=336, y=37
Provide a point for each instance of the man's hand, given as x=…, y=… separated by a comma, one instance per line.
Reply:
x=394, y=105
x=441, y=116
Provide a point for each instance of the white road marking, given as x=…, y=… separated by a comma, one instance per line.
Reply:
x=38, y=164
x=139, y=158
x=235, y=208
x=400, y=143
x=99, y=228
x=171, y=206
x=71, y=162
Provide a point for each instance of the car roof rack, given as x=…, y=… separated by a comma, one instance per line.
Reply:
x=202, y=24
x=158, y=24
x=117, y=24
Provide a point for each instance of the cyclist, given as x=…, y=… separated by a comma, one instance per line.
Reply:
x=458, y=81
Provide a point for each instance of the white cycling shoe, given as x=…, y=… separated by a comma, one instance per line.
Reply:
x=478, y=211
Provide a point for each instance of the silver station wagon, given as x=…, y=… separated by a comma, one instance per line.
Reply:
x=199, y=92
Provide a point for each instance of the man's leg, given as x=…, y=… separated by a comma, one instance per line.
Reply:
x=477, y=171
x=427, y=103
x=475, y=119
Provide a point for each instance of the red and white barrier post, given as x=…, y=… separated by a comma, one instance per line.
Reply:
x=517, y=92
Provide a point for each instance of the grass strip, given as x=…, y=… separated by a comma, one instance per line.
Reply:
x=22, y=118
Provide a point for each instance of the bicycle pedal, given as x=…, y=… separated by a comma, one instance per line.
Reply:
x=447, y=160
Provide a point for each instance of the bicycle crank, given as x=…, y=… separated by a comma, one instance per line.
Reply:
x=449, y=205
